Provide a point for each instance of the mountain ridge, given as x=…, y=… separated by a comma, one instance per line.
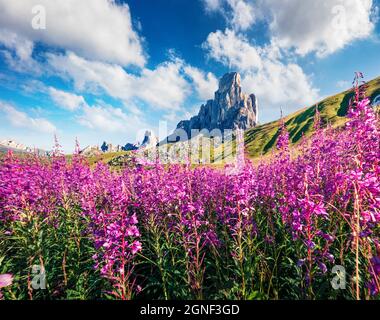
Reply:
x=14, y=146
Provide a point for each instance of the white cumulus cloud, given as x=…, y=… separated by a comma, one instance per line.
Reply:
x=96, y=29
x=243, y=15
x=239, y=14
x=205, y=83
x=20, y=119
x=22, y=46
x=109, y=119
x=322, y=26
x=162, y=88
x=212, y=5
x=308, y=26
x=18, y=52
x=66, y=100
x=232, y=50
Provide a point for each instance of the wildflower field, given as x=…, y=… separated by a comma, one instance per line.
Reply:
x=272, y=230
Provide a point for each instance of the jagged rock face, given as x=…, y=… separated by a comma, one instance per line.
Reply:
x=150, y=140
x=109, y=147
x=130, y=147
x=230, y=109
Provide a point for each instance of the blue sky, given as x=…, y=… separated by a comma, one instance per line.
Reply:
x=108, y=70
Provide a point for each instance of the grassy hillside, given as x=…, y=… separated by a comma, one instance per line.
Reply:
x=262, y=139
x=105, y=157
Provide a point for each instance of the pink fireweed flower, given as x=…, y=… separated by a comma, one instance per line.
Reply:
x=133, y=231
x=136, y=247
x=5, y=280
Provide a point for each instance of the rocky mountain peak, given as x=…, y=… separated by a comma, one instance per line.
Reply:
x=149, y=141
x=229, y=81
x=230, y=109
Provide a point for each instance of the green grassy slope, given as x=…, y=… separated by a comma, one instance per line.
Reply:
x=262, y=139
x=105, y=157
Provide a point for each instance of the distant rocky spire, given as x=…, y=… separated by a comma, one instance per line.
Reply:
x=150, y=140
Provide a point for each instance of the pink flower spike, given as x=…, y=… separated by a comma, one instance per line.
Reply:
x=5, y=280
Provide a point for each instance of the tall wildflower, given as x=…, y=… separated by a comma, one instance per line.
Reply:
x=5, y=281
x=362, y=178
x=283, y=138
x=114, y=229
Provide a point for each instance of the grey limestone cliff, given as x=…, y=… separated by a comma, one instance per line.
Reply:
x=230, y=109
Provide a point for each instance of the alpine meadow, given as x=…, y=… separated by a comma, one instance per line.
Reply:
x=189, y=157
